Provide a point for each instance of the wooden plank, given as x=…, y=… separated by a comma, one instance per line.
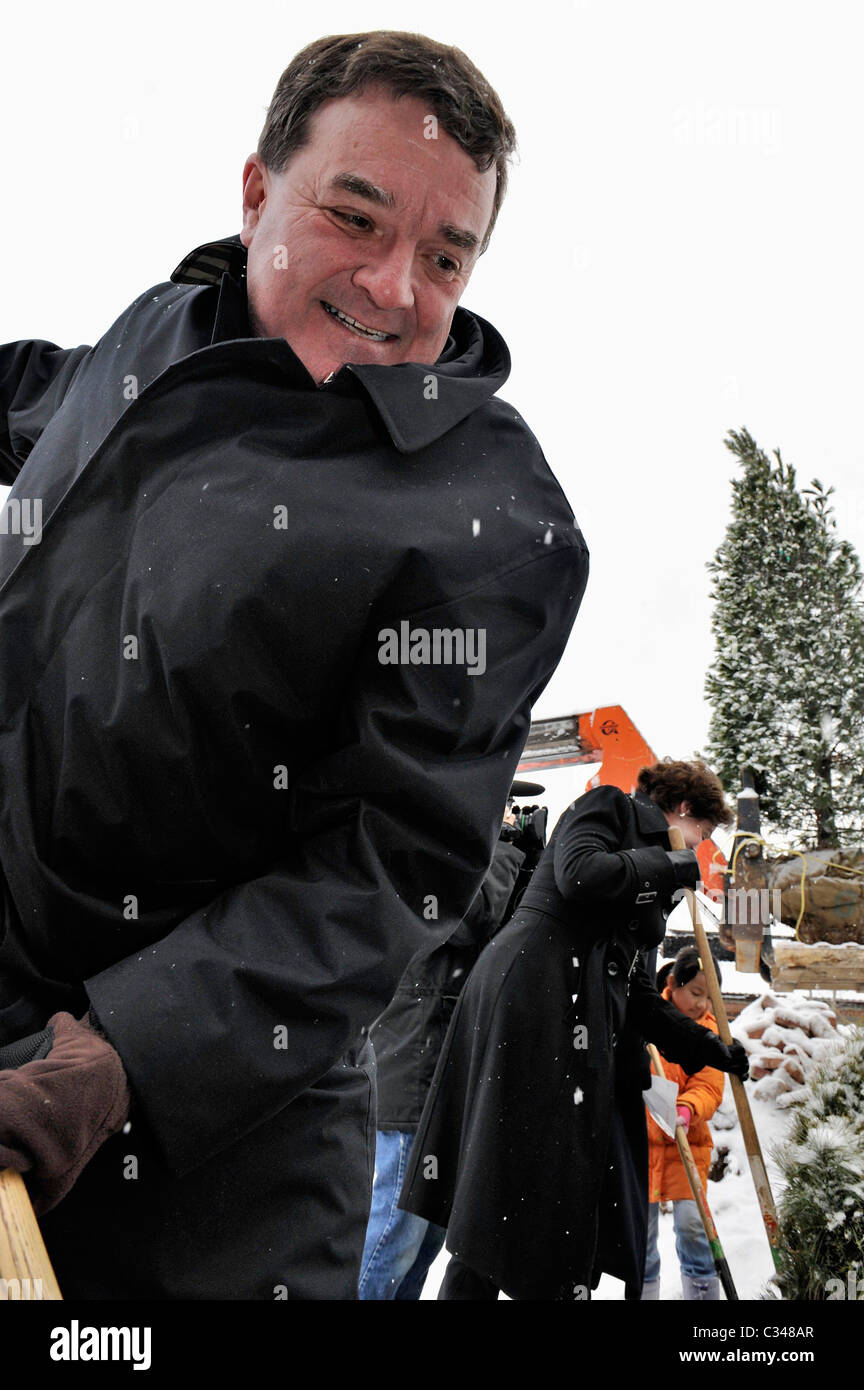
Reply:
x=735, y=1003
x=817, y=966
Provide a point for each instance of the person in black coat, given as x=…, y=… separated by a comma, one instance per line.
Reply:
x=532, y=1148
x=407, y=1041
x=264, y=683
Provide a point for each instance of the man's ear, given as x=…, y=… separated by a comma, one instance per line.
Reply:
x=256, y=180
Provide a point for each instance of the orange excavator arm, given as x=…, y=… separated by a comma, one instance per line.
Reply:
x=609, y=737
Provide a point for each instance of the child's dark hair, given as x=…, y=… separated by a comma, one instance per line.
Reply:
x=684, y=968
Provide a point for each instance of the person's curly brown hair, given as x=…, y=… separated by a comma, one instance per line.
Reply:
x=670, y=782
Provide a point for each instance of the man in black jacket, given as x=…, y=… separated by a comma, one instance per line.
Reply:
x=407, y=1040
x=264, y=682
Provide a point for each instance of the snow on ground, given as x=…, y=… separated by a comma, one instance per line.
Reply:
x=732, y=1201
x=435, y=1275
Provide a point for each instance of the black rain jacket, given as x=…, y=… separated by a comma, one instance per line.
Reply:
x=407, y=1037
x=220, y=810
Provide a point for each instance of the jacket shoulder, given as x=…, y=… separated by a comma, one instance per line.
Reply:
x=602, y=811
x=157, y=302
x=606, y=801
x=146, y=317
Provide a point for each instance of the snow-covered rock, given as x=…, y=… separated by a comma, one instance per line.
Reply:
x=785, y=1036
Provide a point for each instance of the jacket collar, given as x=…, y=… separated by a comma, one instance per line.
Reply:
x=650, y=818
x=417, y=402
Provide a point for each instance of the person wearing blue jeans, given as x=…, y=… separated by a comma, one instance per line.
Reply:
x=407, y=1039
x=400, y=1247
x=698, y=1275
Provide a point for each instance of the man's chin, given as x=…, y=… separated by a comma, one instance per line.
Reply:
x=320, y=360
x=322, y=366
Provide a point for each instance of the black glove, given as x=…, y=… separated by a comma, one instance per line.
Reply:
x=686, y=867
x=732, y=1059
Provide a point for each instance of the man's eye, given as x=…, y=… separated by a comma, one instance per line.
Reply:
x=353, y=219
x=445, y=263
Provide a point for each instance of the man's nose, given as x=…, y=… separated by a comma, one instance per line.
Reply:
x=387, y=277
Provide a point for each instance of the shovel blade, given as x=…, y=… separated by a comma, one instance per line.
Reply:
x=662, y=1100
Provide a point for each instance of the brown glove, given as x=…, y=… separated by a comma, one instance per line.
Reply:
x=55, y=1111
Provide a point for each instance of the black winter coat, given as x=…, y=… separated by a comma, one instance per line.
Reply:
x=221, y=811
x=408, y=1036
x=532, y=1148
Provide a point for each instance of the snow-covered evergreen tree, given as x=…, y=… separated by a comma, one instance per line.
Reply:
x=787, y=685
x=821, y=1213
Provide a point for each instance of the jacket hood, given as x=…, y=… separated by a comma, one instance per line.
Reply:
x=474, y=365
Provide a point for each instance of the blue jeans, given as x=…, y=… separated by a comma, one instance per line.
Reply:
x=400, y=1246
x=691, y=1243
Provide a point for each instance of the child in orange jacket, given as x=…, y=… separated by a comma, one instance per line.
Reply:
x=683, y=982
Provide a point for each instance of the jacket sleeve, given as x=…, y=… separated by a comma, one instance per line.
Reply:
x=34, y=378
x=589, y=863
x=703, y=1090
x=251, y=1000
x=483, y=917
x=658, y=1021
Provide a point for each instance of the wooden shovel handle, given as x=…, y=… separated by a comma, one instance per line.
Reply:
x=676, y=840
x=758, y=1171
x=25, y=1269
x=688, y=1160
x=720, y=1261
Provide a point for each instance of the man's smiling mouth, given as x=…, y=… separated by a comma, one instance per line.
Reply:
x=373, y=334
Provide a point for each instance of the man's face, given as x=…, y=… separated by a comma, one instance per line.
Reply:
x=370, y=220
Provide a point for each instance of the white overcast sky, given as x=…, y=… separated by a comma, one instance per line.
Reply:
x=679, y=254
